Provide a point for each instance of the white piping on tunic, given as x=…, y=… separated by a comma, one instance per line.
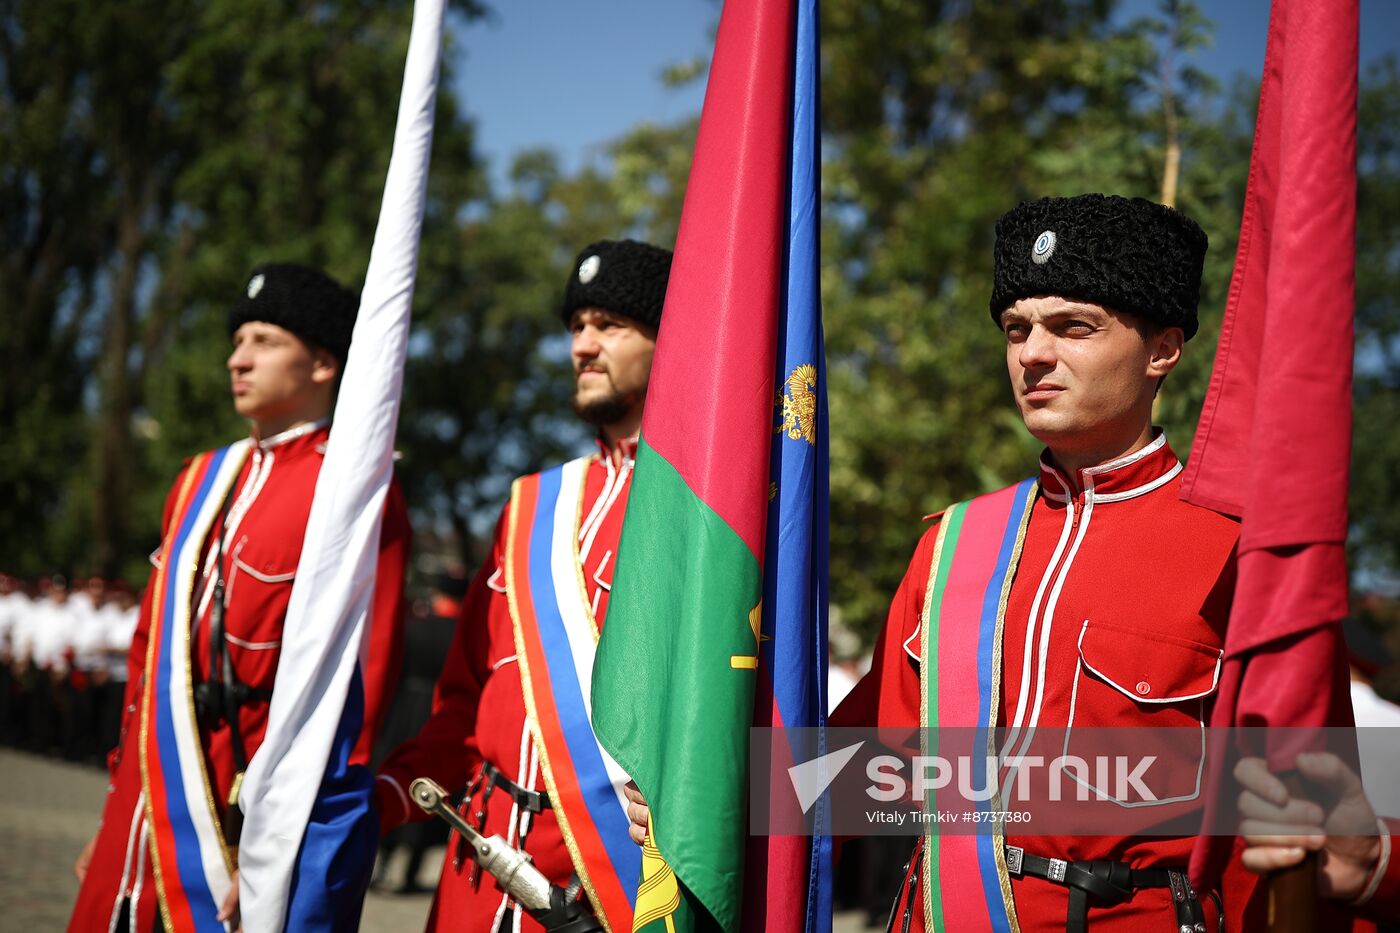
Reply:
x=263, y=460
x=1046, y=620
x=603, y=586
x=252, y=645
x=526, y=816
x=403, y=798
x=292, y=434
x=526, y=750
x=1142, y=490
x=1031, y=621
x=257, y=478
x=256, y=575
x=908, y=642
x=141, y=848
x=531, y=782
x=617, y=481
x=138, y=817
x=599, y=505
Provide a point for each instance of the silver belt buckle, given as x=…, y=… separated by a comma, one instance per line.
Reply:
x=1056, y=872
x=1014, y=855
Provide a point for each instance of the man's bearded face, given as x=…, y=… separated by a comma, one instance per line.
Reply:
x=612, y=364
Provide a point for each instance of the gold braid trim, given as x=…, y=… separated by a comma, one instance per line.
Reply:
x=148, y=687
x=925, y=624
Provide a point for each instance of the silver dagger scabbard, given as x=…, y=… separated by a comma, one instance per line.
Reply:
x=513, y=869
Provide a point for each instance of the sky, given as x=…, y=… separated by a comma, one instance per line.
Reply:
x=569, y=75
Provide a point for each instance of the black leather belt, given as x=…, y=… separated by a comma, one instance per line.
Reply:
x=212, y=700
x=534, y=801
x=1109, y=883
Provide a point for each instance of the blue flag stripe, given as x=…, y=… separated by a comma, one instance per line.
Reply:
x=608, y=816
x=189, y=861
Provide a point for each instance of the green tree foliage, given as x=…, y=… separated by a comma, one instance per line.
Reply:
x=1376, y=449
x=150, y=155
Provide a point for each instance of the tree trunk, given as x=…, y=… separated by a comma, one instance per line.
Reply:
x=113, y=451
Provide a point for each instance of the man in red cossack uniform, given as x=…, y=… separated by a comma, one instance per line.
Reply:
x=510, y=718
x=205, y=651
x=1109, y=606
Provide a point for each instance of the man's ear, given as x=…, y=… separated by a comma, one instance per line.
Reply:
x=1166, y=345
x=325, y=368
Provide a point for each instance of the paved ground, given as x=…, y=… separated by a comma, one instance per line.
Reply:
x=48, y=810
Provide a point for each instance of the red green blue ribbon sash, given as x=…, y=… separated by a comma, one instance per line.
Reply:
x=192, y=865
x=965, y=882
x=556, y=638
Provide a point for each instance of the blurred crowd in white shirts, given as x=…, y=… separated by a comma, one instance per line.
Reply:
x=63, y=664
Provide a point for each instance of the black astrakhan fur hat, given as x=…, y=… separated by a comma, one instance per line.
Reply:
x=623, y=276
x=1127, y=254
x=303, y=300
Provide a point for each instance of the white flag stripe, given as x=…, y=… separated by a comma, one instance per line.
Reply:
x=570, y=595
x=322, y=639
x=186, y=729
x=189, y=752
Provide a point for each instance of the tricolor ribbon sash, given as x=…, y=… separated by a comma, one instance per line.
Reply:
x=193, y=866
x=965, y=882
x=556, y=637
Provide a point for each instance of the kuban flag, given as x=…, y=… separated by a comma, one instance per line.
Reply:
x=1282, y=382
x=717, y=619
x=305, y=809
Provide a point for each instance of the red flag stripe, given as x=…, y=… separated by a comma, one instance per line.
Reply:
x=711, y=422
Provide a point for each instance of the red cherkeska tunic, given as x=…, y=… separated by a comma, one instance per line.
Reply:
x=273, y=494
x=1119, y=575
x=479, y=713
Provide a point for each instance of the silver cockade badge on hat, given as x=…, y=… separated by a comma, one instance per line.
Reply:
x=588, y=269
x=255, y=285
x=1043, y=248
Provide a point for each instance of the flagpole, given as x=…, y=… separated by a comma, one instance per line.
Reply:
x=1293, y=895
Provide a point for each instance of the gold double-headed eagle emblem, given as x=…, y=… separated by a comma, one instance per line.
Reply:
x=799, y=404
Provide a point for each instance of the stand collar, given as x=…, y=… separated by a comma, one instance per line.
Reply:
x=314, y=433
x=1127, y=477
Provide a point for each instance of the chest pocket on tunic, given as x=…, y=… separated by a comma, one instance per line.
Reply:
x=1126, y=677
x=257, y=592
